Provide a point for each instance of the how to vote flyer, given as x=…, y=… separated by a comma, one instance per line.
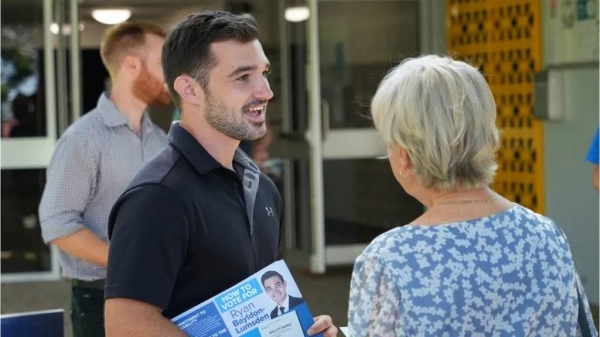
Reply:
x=266, y=304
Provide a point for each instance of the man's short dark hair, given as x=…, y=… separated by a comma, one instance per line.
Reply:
x=270, y=274
x=187, y=47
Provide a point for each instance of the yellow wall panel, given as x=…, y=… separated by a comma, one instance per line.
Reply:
x=502, y=37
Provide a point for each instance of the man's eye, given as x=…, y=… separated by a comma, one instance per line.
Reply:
x=243, y=78
x=266, y=73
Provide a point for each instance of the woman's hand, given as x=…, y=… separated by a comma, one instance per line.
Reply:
x=323, y=325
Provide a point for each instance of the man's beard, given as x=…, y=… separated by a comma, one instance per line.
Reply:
x=150, y=90
x=223, y=120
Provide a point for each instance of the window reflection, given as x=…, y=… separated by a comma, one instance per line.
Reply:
x=23, y=249
x=359, y=41
x=363, y=200
x=21, y=56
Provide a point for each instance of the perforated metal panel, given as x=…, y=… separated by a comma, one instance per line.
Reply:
x=503, y=38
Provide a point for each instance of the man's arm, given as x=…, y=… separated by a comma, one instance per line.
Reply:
x=132, y=318
x=149, y=231
x=70, y=184
x=85, y=245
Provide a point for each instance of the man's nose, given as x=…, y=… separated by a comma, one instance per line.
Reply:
x=263, y=91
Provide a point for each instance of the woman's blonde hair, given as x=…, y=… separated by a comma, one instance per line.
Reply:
x=443, y=113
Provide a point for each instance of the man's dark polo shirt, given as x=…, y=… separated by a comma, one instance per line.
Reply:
x=181, y=232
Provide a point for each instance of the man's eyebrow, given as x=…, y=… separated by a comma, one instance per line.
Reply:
x=242, y=69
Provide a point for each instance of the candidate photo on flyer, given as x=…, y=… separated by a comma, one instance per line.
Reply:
x=276, y=288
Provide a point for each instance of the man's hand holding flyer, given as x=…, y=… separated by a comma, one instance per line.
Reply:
x=267, y=304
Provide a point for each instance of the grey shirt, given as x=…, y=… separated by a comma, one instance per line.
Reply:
x=94, y=161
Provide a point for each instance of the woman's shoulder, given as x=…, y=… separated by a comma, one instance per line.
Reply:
x=534, y=222
x=395, y=244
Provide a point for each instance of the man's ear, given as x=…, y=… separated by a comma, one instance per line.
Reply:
x=189, y=90
x=132, y=65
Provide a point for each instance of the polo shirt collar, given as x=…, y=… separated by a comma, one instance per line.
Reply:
x=203, y=161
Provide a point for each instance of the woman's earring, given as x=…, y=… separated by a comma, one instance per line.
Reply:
x=404, y=175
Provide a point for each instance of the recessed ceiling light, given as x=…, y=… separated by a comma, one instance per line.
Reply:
x=297, y=14
x=111, y=16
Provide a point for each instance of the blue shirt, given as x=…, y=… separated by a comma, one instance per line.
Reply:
x=94, y=161
x=508, y=274
x=592, y=155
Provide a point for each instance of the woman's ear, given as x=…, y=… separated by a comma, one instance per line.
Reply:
x=404, y=158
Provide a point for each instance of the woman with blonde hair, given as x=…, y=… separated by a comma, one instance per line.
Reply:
x=474, y=264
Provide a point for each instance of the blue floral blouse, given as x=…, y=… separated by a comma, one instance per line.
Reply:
x=508, y=274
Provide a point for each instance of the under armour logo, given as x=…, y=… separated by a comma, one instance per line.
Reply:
x=269, y=211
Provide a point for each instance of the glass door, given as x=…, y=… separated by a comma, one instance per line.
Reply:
x=338, y=195
x=358, y=42
x=40, y=96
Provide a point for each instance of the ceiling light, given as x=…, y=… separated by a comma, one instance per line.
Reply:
x=111, y=16
x=297, y=14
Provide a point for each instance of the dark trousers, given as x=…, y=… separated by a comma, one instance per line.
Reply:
x=87, y=309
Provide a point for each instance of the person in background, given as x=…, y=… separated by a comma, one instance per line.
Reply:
x=592, y=157
x=201, y=215
x=96, y=158
x=474, y=263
